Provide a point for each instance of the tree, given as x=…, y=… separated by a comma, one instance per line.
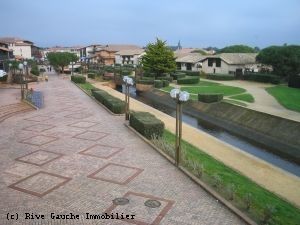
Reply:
x=237, y=49
x=159, y=58
x=285, y=61
x=61, y=59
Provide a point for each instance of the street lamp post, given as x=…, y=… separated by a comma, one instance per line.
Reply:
x=72, y=63
x=9, y=76
x=21, y=67
x=128, y=82
x=180, y=97
x=26, y=75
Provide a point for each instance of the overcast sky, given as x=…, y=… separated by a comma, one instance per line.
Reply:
x=196, y=23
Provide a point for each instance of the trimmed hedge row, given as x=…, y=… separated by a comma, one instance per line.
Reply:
x=146, y=124
x=145, y=81
x=210, y=97
x=114, y=104
x=170, y=79
x=216, y=76
x=91, y=75
x=188, y=80
x=158, y=83
x=161, y=83
x=192, y=73
x=177, y=76
x=260, y=77
x=78, y=79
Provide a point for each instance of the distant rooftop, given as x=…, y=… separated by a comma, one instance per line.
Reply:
x=137, y=51
x=117, y=48
x=14, y=40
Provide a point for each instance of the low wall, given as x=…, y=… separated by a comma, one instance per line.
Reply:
x=280, y=135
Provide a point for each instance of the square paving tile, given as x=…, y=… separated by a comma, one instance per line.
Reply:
x=101, y=151
x=116, y=173
x=91, y=135
x=40, y=183
x=143, y=215
x=39, y=118
x=39, y=157
x=83, y=124
x=39, y=127
x=39, y=140
x=78, y=115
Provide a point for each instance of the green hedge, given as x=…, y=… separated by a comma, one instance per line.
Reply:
x=188, y=80
x=193, y=73
x=158, y=83
x=4, y=78
x=146, y=124
x=177, y=76
x=145, y=81
x=210, y=97
x=166, y=83
x=217, y=76
x=78, y=79
x=91, y=75
x=170, y=79
x=264, y=78
x=114, y=104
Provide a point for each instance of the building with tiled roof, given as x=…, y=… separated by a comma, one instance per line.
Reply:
x=129, y=56
x=20, y=47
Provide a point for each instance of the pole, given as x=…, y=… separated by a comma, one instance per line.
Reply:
x=126, y=105
x=128, y=99
x=177, y=132
x=180, y=132
x=26, y=78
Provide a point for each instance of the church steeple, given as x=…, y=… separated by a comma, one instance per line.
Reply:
x=179, y=47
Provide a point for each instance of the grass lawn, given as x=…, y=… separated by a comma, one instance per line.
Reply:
x=285, y=214
x=286, y=96
x=235, y=102
x=87, y=86
x=243, y=97
x=224, y=89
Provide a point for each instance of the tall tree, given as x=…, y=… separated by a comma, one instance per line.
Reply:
x=61, y=59
x=237, y=49
x=285, y=61
x=159, y=58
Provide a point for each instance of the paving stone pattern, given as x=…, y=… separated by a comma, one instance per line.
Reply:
x=72, y=156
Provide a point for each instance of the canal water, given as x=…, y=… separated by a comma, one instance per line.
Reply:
x=246, y=145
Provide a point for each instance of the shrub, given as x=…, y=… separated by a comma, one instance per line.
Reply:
x=35, y=70
x=112, y=103
x=264, y=78
x=4, y=78
x=294, y=81
x=158, y=83
x=166, y=83
x=216, y=76
x=177, y=76
x=193, y=73
x=78, y=79
x=210, y=97
x=188, y=80
x=162, y=144
x=146, y=124
x=170, y=79
x=150, y=82
x=91, y=75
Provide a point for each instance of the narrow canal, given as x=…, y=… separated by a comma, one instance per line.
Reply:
x=246, y=145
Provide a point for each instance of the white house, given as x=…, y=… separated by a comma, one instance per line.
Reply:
x=129, y=56
x=21, y=48
x=230, y=63
x=190, y=62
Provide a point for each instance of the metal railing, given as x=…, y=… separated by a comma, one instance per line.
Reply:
x=34, y=97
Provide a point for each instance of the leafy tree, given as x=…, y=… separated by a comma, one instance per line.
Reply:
x=285, y=61
x=237, y=49
x=159, y=58
x=61, y=59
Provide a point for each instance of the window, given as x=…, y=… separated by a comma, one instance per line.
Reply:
x=188, y=66
x=210, y=62
x=218, y=62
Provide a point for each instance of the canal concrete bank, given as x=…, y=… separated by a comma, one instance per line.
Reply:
x=272, y=178
x=278, y=134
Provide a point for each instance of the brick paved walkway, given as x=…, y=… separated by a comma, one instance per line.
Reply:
x=74, y=157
